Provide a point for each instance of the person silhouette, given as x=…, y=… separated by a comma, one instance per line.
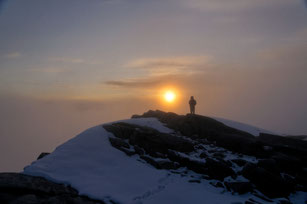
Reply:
x=192, y=103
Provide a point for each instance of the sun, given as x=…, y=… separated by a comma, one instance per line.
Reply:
x=169, y=96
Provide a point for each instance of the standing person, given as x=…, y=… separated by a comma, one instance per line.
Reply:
x=192, y=103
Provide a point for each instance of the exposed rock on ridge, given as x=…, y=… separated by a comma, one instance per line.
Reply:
x=18, y=188
x=282, y=161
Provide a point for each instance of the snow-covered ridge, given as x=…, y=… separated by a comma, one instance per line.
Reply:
x=91, y=165
x=244, y=127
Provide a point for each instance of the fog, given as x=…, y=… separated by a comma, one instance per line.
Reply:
x=30, y=126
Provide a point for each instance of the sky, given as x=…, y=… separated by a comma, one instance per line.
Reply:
x=67, y=65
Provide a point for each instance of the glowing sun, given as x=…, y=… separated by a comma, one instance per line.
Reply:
x=169, y=96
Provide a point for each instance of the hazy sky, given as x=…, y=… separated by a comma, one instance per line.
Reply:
x=66, y=65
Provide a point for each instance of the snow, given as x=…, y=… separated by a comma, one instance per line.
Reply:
x=148, y=122
x=244, y=127
x=92, y=166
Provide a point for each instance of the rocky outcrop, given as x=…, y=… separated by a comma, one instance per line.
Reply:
x=42, y=155
x=239, y=187
x=165, y=146
x=201, y=127
x=282, y=161
x=272, y=184
x=151, y=140
x=20, y=188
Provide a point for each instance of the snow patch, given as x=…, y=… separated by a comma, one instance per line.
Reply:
x=244, y=127
x=148, y=122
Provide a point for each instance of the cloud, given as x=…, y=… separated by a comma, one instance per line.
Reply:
x=291, y=57
x=171, y=65
x=50, y=70
x=233, y=5
x=13, y=55
x=145, y=82
x=67, y=60
x=163, y=71
x=74, y=60
x=179, y=71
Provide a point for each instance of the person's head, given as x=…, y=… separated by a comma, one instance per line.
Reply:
x=192, y=97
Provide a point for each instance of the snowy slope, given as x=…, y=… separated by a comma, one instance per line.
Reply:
x=91, y=165
x=244, y=127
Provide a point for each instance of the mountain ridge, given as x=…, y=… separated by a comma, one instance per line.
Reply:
x=167, y=154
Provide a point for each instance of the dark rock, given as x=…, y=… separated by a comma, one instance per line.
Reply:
x=118, y=143
x=218, y=155
x=20, y=188
x=205, y=177
x=173, y=156
x=212, y=150
x=276, y=140
x=295, y=150
x=190, y=125
x=160, y=164
x=218, y=170
x=288, y=163
x=168, y=165
x=239, y=162
x=139, y=150
x=150, y=160
x=269, y=184
x=301, y=178
x=43, y=154
x=197, y=166
x=217, y=184
x=199, y=147
x=128, y=151
x=120, y=130
x=209, y=129
x=151, y=140
x=31, y=183
x=239, y=187
x=203, y=141
x=290, y=181
x=203, y=155
x=136, y=116
x=121, y=145
x=27, y=199
x=239, y=143
x=269, y=165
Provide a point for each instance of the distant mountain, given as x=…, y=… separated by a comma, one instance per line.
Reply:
x=167, y=158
